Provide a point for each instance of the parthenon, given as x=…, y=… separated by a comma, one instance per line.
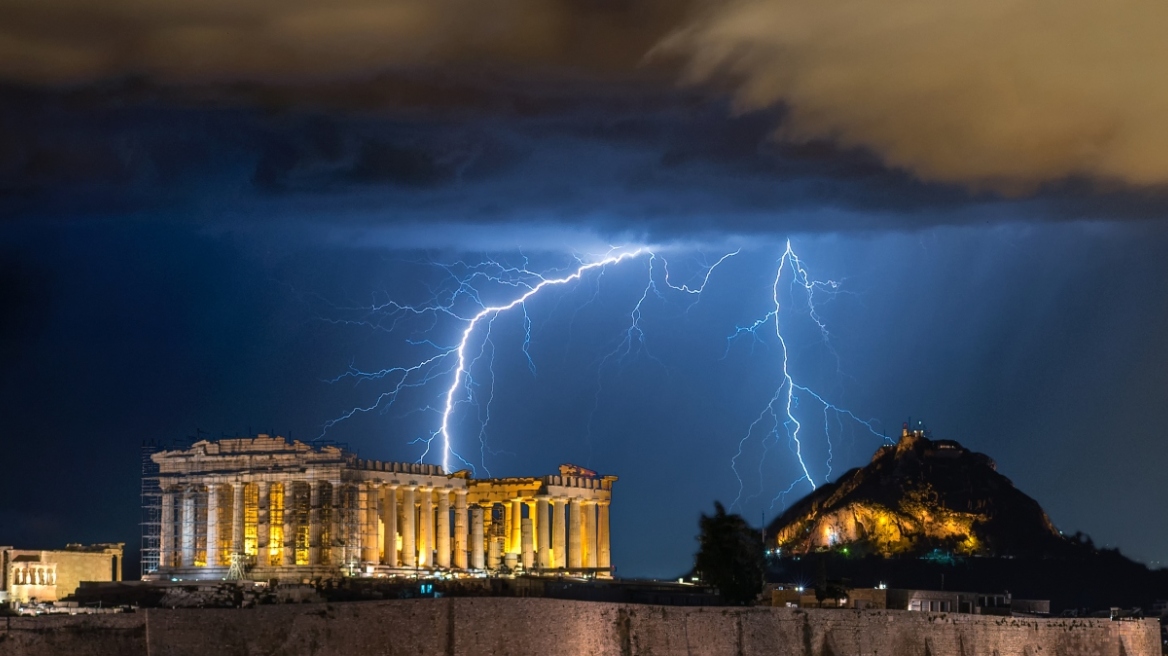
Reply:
x=279, y=509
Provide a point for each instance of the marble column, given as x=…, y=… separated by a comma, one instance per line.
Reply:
x=559, y=552
x=507, y=527
x=476, y=537
x=495, y=553
x=589, y=508
x=426, y=527
x=212, y=525
x=516, y=526
x=376, y=531
x=367, y=502
x=575, y=539
x=290, y=523
x=460, y=529
x=314, y=526
x=263, y=523
x=389, y=524
x=337, y=538
x=237, y=518
x=188, y=528
x=443, y=528
x=545, y=547
x=531, y=514
x=409, y=531
x=526, y=543
x=603, y=548
x=362, y=516
x=166, y=535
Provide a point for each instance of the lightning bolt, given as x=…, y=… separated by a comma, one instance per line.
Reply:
x=474, y=343
x=778, y=416
x=492, y=311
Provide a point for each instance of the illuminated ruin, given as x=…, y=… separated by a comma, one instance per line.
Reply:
x=28, y=575
x=266, y=508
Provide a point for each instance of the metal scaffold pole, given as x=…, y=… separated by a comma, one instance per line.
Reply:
x=151, y=518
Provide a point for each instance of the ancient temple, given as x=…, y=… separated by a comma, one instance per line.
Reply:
x=41, y=575
x=266, y=508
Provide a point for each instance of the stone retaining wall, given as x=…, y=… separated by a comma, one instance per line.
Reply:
x=516, y=627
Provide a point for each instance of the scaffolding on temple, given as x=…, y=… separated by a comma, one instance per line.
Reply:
x=151, y=518
x=290, y=511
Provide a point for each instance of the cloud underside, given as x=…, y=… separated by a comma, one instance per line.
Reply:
x=990, y=93
x=685, y=116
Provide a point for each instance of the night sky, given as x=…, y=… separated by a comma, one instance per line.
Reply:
x=211, y=212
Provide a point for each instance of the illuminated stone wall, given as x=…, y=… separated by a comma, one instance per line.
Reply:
x=504, y=627
x=52, y=575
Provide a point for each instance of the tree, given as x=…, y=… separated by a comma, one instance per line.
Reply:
x=730, y=556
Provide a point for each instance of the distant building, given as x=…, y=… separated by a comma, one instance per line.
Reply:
x=27, y=575
x=936, y=601
x=980, y=603
x=943, y=601
x=266, y=508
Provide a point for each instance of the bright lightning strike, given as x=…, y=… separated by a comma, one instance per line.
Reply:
x=473, y=343
x=493, y=311
x=450, y=365
x=778, y=416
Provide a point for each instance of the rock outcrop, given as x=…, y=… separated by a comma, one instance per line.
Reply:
x=915, y=497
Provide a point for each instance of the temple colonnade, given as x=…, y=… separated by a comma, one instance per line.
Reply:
x=329, y=509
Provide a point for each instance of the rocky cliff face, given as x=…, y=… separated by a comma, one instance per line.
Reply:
x=914, y=497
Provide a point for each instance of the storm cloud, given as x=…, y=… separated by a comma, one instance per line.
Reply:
x=995, y=94
x=669, y=119
x=64, y=41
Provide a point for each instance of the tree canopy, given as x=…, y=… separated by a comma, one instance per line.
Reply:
x=730, y=556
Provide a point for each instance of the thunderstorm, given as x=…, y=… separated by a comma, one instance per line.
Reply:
x=451, y=364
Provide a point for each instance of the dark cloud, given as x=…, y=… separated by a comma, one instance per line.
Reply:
x=980, y=95
x=661, y=165
x=69, y=41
